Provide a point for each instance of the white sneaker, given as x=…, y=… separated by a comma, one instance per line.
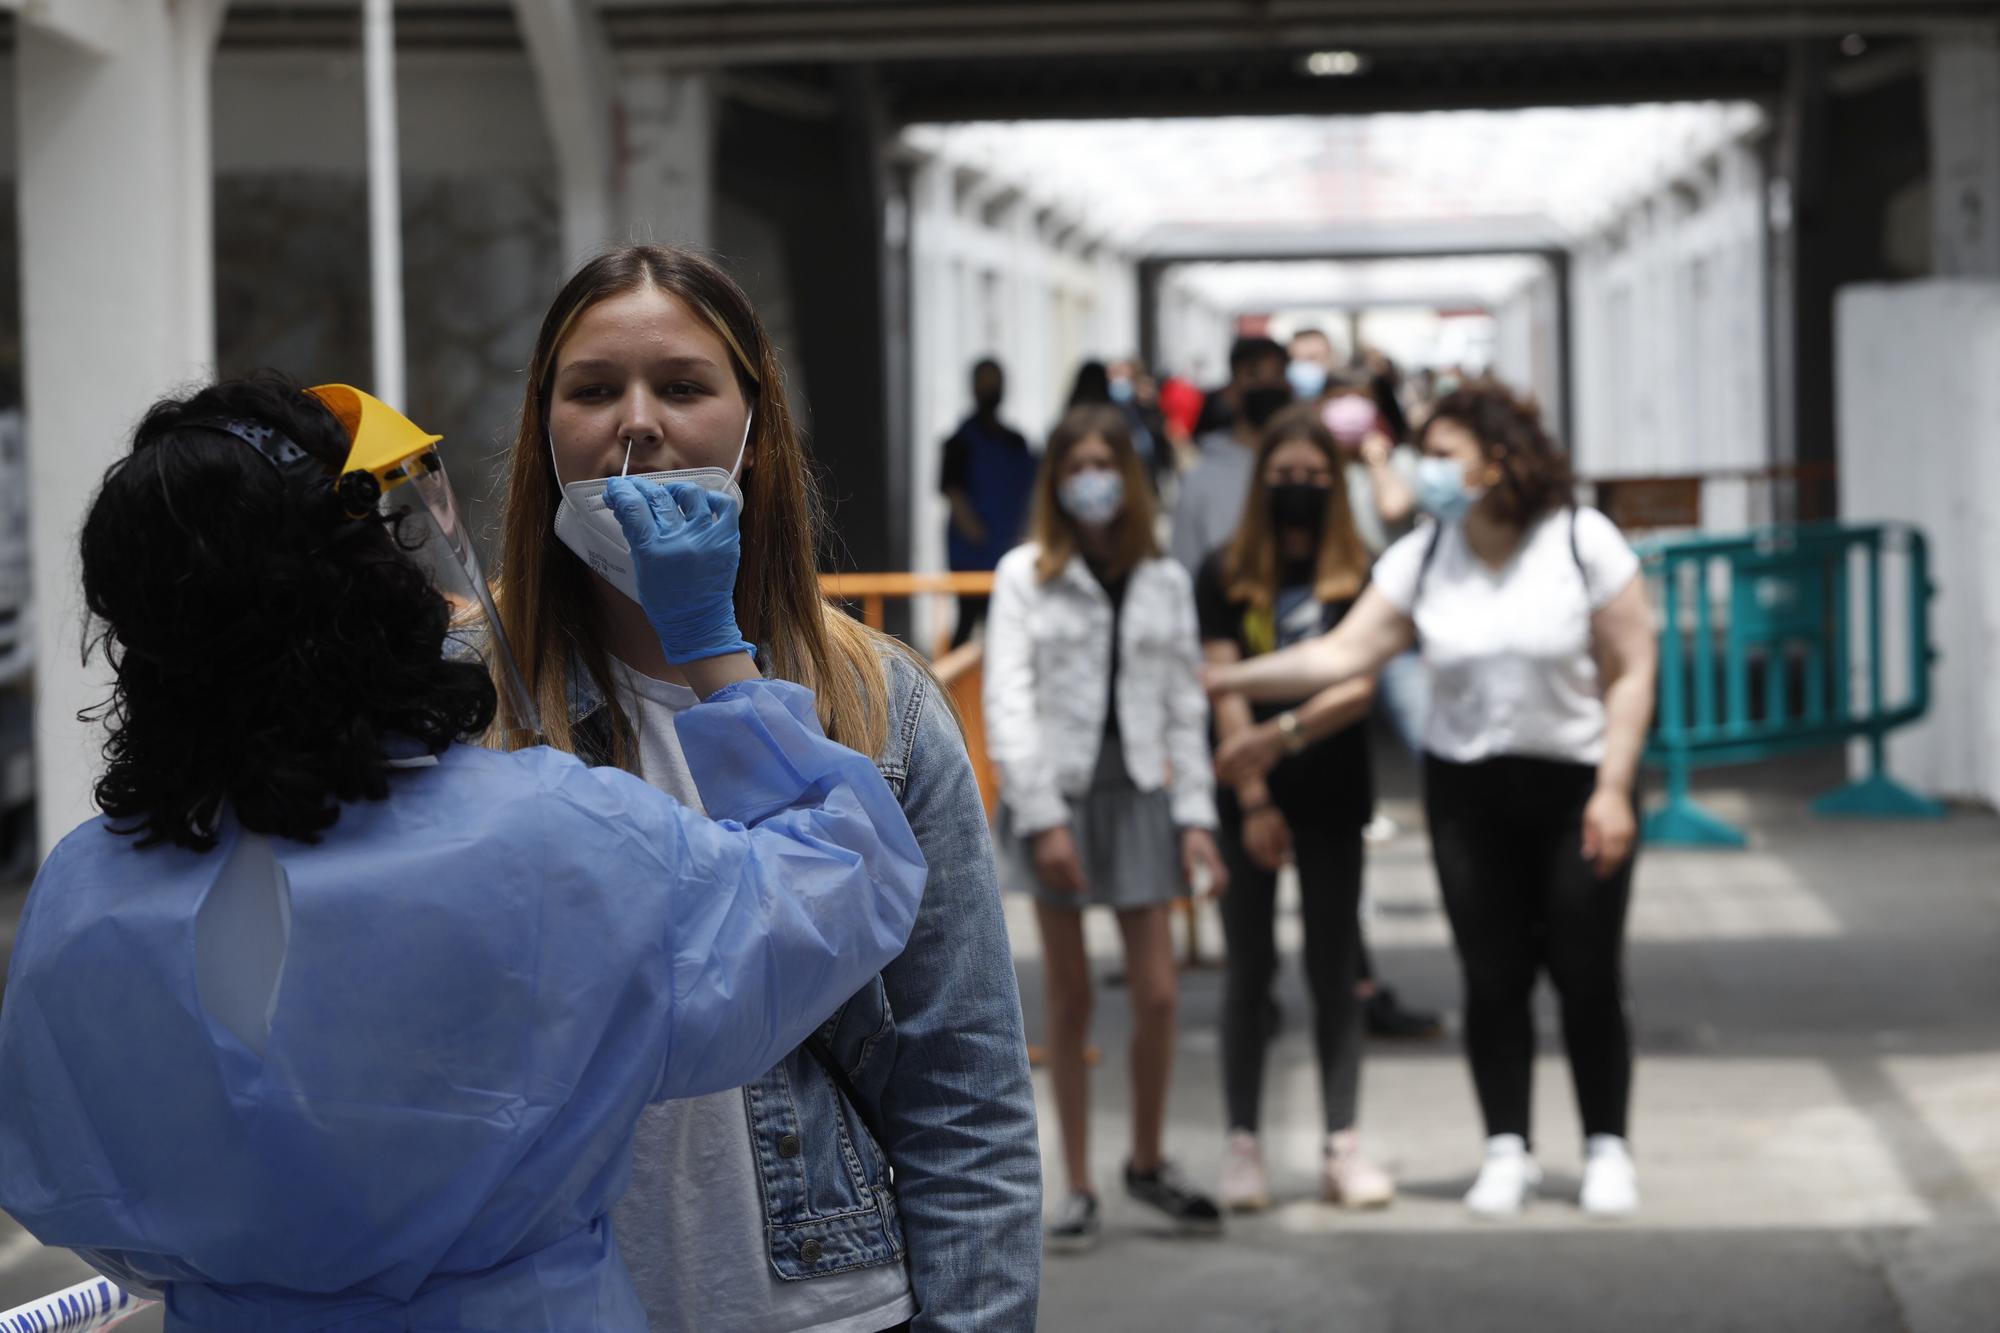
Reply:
x=1380, y=829
x=1350, y=1179
x=1610, y=1180
x=1507, y=1179
x=1245, y=1186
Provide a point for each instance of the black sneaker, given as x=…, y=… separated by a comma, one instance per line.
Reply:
x=1386, y=1017
x=1075, y=1226
x=1167, y=1190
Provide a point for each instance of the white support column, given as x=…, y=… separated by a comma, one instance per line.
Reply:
x=1963, y=78
x=1916, y=363
x=578, y=83
x=117, y=302
x=385, y=203
x=635, y=143
x=935, y=399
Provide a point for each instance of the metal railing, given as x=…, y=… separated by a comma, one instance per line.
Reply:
x=1774, y=642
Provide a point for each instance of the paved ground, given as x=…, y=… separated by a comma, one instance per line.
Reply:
x=1818, y=1118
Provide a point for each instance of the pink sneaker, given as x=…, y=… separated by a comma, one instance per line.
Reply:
x=1350, y=1179
x=1245, y=1187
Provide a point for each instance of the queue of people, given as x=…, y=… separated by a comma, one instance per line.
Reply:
x=1335, y=559
x=632, y=955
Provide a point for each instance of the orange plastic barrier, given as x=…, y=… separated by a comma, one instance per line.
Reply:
x=958, y=668
x=874, y=590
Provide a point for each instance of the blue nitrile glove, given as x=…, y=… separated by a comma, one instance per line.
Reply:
x=685, y=545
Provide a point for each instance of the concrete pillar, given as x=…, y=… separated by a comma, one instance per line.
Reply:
x=934, y=376
x=1803, y=265
x=1963, y=85
x=664, y=190
x=574, y=74
x=117, y=303
x=635, y=144
x=1026, y=301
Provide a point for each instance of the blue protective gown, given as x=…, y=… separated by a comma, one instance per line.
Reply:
x=389, y=1081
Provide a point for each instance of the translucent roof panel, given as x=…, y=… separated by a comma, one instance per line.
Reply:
x=1263, y=286
x=1133, y=181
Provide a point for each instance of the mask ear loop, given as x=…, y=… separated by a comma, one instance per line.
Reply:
x=743, y=449
x=549, y=442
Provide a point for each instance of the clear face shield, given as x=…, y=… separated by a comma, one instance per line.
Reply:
x=392, y=453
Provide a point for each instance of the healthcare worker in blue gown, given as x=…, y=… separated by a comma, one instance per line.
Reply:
x=337, y=1021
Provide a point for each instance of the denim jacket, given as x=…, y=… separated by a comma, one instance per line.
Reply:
x=934, y=1045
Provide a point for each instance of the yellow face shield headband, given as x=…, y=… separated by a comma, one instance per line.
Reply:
x=389, y=449
x=391, y=452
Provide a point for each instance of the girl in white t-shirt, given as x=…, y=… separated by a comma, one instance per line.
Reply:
x=1534, y=624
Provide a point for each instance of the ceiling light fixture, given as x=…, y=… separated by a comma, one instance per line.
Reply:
x=1335, y=64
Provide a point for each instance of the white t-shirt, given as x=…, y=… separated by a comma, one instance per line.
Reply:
x=1509, y=650
x=691, y=1225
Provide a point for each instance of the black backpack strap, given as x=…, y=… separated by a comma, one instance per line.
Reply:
x=1424, y=569
x=1576, y=554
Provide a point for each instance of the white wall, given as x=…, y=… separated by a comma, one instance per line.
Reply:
x=1670, y=332
x=1920, y=410
x=1527, y=346
x=994, y=272
x=1195, y=332
x=1962, y=87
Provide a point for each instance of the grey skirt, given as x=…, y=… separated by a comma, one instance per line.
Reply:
x=1126, y=839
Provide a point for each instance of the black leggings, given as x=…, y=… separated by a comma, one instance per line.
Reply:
x=1507, y=836
x=1329, y=860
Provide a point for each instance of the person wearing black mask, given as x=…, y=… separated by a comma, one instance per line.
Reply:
x=1211, y=494
x=1294, y=566
x=989, y=480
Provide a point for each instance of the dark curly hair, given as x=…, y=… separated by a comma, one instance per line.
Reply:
x=265, y=644
x=1534, y=474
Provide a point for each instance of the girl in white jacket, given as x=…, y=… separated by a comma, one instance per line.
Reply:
x=1096, y=721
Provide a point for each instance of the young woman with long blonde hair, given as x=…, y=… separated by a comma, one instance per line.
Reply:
x=1096, y=720
x=774, y=1207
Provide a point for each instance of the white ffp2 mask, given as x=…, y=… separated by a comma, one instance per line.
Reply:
x=586, y=524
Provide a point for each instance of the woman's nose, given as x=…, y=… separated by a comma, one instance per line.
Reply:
x=639, y=420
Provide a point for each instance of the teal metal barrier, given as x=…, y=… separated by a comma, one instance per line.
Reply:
x=1758, y=658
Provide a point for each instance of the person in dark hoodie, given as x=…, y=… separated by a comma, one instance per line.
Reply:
x=989, y=479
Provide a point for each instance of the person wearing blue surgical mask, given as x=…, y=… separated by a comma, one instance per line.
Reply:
x=1096, y=723
x=1312, y=364
x=335, y=1018
x=1534, y=622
